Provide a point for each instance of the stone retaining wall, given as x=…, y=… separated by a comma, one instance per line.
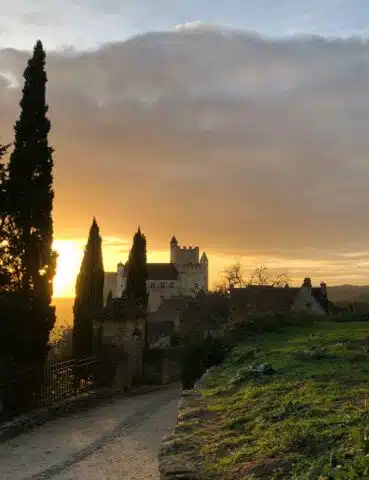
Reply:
x=179, y=457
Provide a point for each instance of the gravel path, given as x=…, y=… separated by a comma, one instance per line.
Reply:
x=118, y=440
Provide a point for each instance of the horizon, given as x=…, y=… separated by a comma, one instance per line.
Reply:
x=204, y=144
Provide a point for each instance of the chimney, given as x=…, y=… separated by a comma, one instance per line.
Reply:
x=323, y=289
x=307, y=282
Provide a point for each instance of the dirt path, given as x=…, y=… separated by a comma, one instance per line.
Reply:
x=119, y=440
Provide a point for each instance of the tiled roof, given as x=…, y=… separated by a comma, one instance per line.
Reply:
x=321, y=299
x=162, y=271
x=169, y=309
x=264, y=298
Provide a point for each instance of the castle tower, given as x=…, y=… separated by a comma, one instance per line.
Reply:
x=173, y=249
x=205, y=268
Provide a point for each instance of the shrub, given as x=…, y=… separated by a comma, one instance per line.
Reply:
x=198, y=354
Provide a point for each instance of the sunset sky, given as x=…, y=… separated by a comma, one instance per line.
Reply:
x=238, y=126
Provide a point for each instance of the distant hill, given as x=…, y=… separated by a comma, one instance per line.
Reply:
x=346, y=293
x=64, y=311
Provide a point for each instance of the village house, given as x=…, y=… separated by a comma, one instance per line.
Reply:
x=269, y=299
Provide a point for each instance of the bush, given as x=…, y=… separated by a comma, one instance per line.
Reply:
x=198, y=354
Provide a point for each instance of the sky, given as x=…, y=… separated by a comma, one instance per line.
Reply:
x=238, y=126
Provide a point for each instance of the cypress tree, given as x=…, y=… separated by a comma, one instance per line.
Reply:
x=135, y=290
x=4, y=272
x=30, y=189
x=89, y=293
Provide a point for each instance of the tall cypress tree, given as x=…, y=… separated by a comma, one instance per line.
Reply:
x=135, y=290
x=89, y=293
x=30, y=185
x=4, y=271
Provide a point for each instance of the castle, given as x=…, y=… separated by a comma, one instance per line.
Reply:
x=185, y=275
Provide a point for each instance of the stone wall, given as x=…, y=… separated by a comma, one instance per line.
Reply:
x=179, y=454
x=122, y=345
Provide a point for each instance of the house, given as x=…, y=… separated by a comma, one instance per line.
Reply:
x=269, y=299
x=166, y=319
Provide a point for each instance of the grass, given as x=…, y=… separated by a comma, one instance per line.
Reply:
x=286, y=425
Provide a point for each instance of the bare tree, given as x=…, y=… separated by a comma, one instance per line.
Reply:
x=234, y=277
x=261, y=276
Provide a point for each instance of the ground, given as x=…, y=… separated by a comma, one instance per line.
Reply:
x=286, y=424
x=116, y=440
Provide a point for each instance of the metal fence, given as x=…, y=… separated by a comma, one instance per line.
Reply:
x=27, y=388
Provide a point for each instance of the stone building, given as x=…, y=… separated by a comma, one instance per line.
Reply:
x=269, y=299
x=185, y=275
x=121, y=334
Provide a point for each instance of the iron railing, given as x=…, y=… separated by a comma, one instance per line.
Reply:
x=27, y=388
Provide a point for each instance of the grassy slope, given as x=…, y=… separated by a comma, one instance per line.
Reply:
x=294, y=418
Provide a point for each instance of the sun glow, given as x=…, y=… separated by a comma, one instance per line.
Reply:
x=69, y=261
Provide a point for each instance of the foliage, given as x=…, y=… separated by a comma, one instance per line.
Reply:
x=297, y=422
x=28, y=262
x=89, y=293
x=198, y=354
x=5, y=278
x=135, y=292
x=29, y=187
x=25, y=324
x=269, y=322
x=136, y=288
x=234, y=277
x=61, y=345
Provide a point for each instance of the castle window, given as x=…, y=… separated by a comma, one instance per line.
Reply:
x=196, y=286
x=152, y=285
x=308, y=305
x=171, y=285
x=162, y=284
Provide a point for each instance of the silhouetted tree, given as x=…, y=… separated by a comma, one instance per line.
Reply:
x=135, y=290
x=5, y=277
x=28, y=261
x=89, y=293
x=30, y=186
x=233, y=276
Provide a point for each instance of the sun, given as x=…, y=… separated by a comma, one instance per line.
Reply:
x=68, y=264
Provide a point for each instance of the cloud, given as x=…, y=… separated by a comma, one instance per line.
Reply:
x=188, y=25
x=241, y=144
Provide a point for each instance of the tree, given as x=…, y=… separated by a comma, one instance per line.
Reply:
x=5, y=278
x=234, y=277
x=135, y=290
x=89, y=293
x=29, y=186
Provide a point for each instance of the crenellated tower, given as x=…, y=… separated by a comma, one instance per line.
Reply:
x=193, y=270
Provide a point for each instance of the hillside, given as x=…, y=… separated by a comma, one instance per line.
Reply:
x=342, y=293
x=284, y=401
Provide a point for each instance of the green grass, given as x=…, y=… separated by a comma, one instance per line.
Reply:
x=282, y=426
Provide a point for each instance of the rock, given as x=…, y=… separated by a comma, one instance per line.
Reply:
x=245, y=374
